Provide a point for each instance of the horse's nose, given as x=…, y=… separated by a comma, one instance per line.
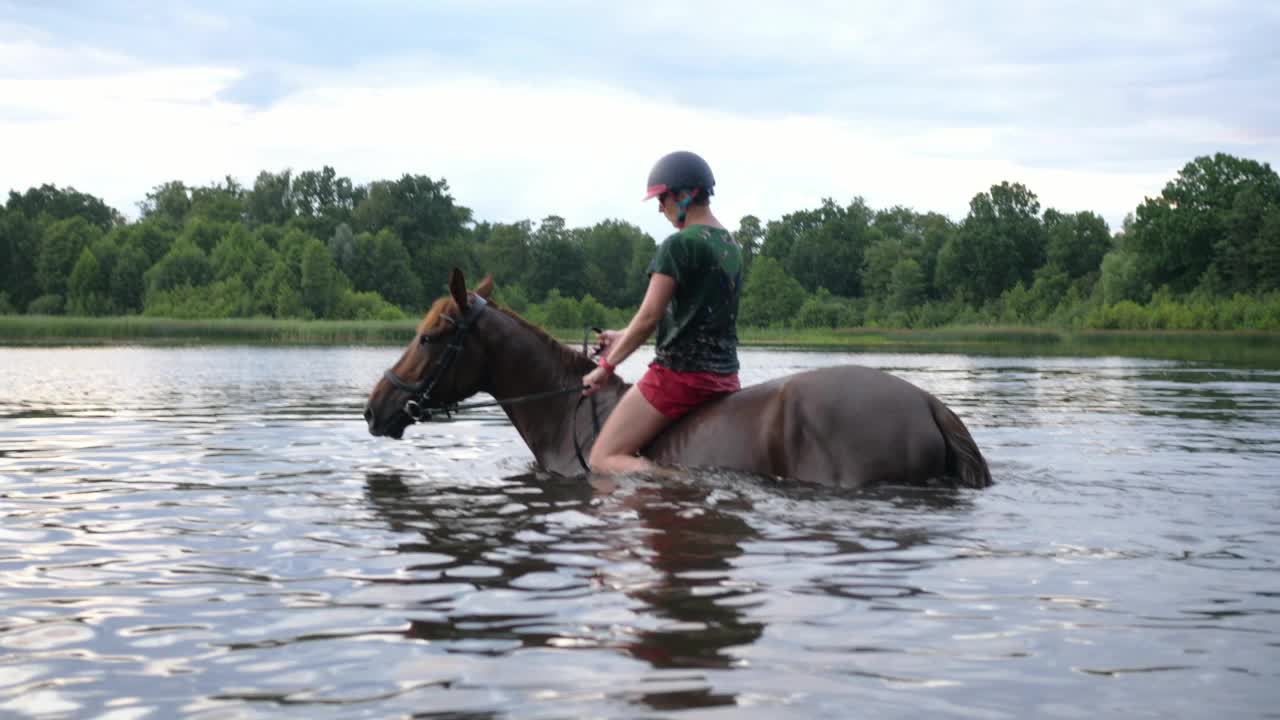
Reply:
x=368, y=415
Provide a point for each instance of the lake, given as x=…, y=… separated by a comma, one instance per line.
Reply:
x=210, y=532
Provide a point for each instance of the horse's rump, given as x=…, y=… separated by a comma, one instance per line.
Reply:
x=847, y=425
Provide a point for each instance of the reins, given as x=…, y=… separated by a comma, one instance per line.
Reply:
x=452, y=408
x=577, y=444
x=420, y=405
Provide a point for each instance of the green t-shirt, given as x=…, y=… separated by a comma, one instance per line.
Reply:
x=699, y=330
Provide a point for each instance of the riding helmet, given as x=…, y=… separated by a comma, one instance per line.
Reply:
x=680, y=170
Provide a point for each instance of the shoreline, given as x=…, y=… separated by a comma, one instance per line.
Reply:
x=1257, y=348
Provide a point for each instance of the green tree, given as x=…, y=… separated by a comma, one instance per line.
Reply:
x=820, y=310
x=19, y=247
x=241, y=253
x=607, y=251
x=204, y=233
x=107, y=253
x=87, y=288
x=49, y=304
x=1076, y=242
x=506, y=251
x=903, y=234
x=382, y=265
x=906, y=287
x=771, y=296
x=418, y=209
x=1121, y=278
x=322, y=284
x=556, y=260
x=184, y=264
x=561, y=312
x=154, y=237
x=750, y=237
x=60, y=248
x=1000, y=243
x=219, y=203
x=1048, y=291
x=277, y=292
x=342, y=246
x=167, y=204
x=591, y=313
x=1269, y=251
x=879, y=261
x=221, y=299
x=637, y=282
x=271, y=201
x=434, y=264
x=1209, y=217
x=366, y=306
x=324, y=200
x=1241, y=252
x=512, y=296
x=823, y=247
x=938, y=229
x=50, y=203
x=127, y=286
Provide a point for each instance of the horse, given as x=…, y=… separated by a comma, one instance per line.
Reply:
x=846, y=426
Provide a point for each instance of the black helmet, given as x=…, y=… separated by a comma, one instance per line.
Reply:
x=681, y=170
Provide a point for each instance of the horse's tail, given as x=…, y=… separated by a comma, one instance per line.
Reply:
x=964, y=461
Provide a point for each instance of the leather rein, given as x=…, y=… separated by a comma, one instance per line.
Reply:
x=420, y=404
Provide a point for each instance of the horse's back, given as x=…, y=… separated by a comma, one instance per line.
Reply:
x=847, y=425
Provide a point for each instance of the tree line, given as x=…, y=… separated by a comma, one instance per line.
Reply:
x=1205, y=253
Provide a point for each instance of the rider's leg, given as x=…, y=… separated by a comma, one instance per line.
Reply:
x=631, y=425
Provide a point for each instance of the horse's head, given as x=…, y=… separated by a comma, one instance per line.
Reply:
x=442, y=364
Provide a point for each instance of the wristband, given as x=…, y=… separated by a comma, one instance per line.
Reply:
x=608, y=367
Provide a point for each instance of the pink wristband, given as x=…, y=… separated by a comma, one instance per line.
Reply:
x=608, y=367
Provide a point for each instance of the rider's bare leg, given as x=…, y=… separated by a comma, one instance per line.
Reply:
x=631, y=425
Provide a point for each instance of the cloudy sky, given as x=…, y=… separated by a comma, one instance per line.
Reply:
x=533, y=108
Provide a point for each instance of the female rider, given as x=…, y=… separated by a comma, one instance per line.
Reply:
x=695, y=280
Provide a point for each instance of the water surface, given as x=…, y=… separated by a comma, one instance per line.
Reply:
x=211, y=533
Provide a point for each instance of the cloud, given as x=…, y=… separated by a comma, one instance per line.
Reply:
x=528, y=111
x=257, y=89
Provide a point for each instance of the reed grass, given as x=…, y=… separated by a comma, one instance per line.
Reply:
x=1242, y=348
x=61, y=330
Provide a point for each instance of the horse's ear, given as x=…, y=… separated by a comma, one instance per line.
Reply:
x=458, y=289
x=485, y=288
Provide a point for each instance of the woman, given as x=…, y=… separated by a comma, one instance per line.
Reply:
x=692, y=301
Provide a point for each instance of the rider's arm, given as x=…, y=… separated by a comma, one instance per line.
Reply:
x=656, y=298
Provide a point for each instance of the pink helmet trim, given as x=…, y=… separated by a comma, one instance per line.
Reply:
x=655, y=191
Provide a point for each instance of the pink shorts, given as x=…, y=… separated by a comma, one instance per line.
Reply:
x=674, y=394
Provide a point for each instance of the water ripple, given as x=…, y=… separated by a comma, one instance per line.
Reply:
x=210, y=532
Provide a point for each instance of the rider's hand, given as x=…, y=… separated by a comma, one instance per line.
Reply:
x=595, y=380
x=605, y=339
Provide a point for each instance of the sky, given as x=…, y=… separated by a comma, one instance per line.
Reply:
x=529, y=109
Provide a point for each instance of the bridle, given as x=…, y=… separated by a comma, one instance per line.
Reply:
x=420, y=404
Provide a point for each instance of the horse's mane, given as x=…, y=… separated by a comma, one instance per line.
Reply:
x=570, y=358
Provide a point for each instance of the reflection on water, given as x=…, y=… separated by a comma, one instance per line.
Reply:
x=210, y=532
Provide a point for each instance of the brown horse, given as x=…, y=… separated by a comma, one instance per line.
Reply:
x=847, y=426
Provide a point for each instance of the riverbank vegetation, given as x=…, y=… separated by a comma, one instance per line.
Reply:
x=1238, y=348
x=1203, y=255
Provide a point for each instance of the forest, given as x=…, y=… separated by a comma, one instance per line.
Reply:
x=1203, y=254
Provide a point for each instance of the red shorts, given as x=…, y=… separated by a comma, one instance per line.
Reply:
x=674, y=394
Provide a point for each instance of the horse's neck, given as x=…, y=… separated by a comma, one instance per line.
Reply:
x=526, y=364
